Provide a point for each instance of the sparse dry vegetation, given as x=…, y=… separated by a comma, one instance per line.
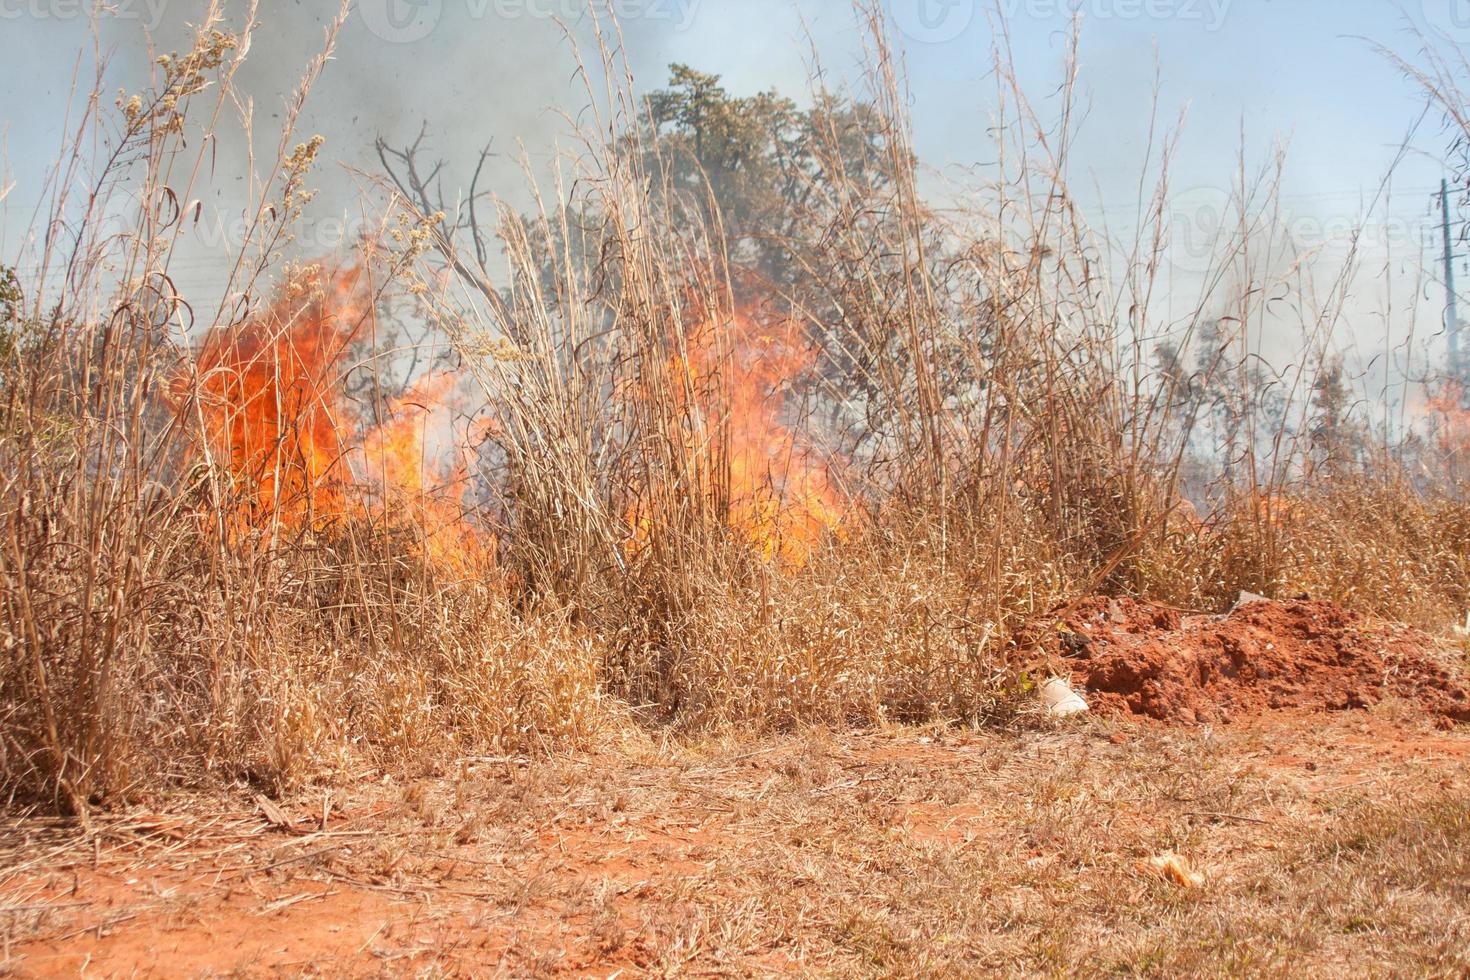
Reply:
x=909, y=853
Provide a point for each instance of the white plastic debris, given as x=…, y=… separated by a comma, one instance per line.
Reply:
x=1060, y=699
x=1464, y=630
x=1246, y=598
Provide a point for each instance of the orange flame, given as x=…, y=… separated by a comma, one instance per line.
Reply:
x=782, y=497
x=1450, y=421
x=275, y=414
x=738, y=370
x=1274, y=509
x=272, y=406
x=403, y=475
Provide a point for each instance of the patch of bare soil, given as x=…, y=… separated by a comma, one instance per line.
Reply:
x=1316, y=845
x=1138, y=658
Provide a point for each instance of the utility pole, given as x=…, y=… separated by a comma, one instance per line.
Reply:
x=1451, y=313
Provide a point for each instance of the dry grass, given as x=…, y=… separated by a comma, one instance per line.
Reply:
x=975, y=393
x=1326, y=847
x=631, y=694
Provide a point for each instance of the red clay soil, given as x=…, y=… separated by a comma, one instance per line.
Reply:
x=1142, y=659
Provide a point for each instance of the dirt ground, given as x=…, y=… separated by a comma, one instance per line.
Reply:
x=1150, y=660
x=1325, y=844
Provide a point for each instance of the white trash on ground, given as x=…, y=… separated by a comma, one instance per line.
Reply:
x=1060, y=699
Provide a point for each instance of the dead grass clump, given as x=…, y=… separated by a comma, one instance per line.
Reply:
x=195, y=587
x=865, y=641
x=1382, y=548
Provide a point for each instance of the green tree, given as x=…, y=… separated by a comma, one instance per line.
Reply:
x=1338, y=438
x=11, y=299
x=10, y=296
x=765, y=171
x=769, y=175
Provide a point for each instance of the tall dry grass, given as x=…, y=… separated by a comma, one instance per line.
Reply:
x=975, y=392
x=150, y=636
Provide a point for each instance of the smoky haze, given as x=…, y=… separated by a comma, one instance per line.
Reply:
x=503, y=73
x=468, y=73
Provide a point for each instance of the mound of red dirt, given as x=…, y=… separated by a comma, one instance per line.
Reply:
x=1143, y=659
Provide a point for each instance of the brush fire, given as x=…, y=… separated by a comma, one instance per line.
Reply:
x=733, y=378
x=711, y=542
x=301, y=455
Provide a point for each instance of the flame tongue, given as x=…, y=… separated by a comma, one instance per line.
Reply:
x=781, y=496
x=739, y=371
x=275, y=412
x=273, y=407
x=418, y=482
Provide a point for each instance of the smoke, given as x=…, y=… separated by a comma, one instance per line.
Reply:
x=468, y=73
x=504, y=73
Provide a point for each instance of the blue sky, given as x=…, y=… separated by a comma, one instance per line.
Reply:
x=1301, y=71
